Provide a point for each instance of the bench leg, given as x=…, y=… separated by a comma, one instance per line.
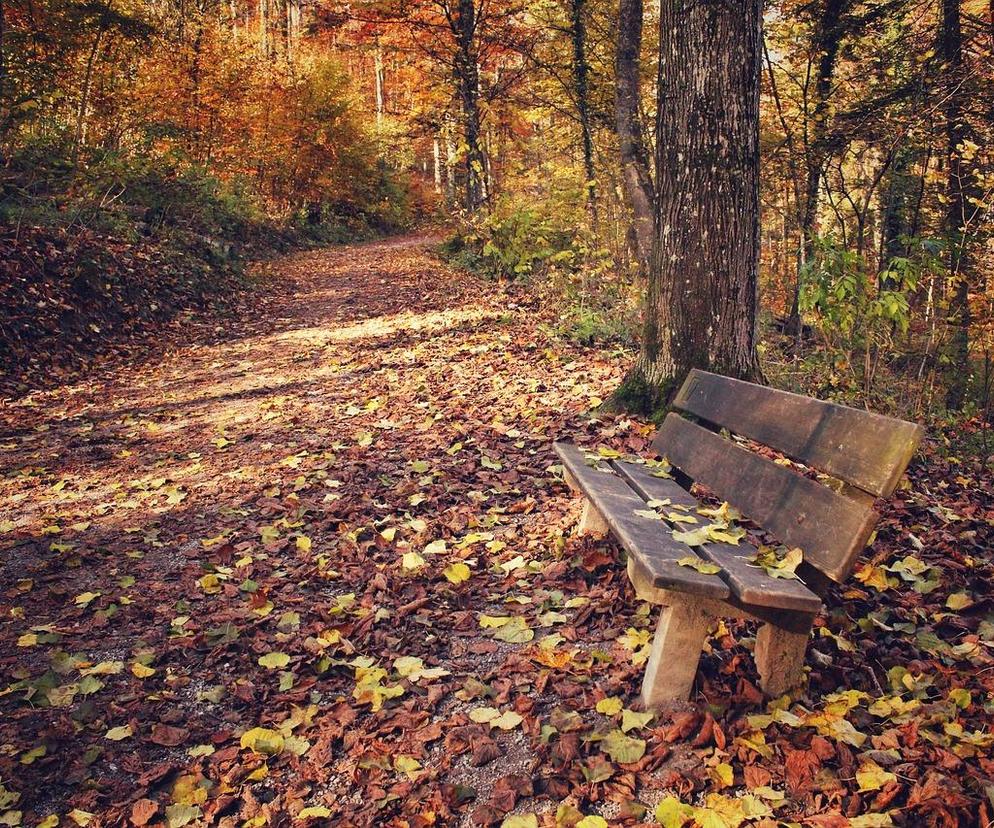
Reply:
x=591, y=522
x=780, y=658
x=676, y=649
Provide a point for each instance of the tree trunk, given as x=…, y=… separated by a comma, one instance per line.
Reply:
x=825, y=41
x=701, y=297
x=468, y=82
x=635, y=172
x=84, y=96
x=959, y=189
x=896, y=197
x=581, y=80
x=378, y=72
x=436, y=156
x=3, y=62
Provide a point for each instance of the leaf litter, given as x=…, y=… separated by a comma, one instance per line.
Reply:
x=323, y=569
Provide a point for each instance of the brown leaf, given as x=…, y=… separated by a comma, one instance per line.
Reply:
x=484, y=750
x=143, y=810
x=168, y=735
x=800, y=767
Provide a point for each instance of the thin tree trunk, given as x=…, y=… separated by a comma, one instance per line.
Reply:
x=581, y=80
x=825, y=42
x=378, y=71
x=958, y=205
x=3, y=57
x=436, y=155
x=701, y=309
x=468, y=82
x=450, y=165
x=264, y=28
x=635, y=172
x=84, y=96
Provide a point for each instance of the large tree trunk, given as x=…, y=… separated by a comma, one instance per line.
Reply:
x=635, y=171
x=581, y=80
x=701, y=308
x=960, y=192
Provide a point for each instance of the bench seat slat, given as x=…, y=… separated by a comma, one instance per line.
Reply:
x=750, y=584
x=643, y=538
x=830, y=528
x=868, y=450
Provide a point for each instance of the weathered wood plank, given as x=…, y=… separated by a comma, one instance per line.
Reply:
x=750, y=584
x=642, y=537
x=729, y=607
x=676, y=650
x=868, y=450
x=779, y=656
x=830, y=528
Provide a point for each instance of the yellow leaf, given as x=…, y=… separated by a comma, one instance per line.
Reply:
x=630, y=720
x=702, y=566
x=116, y=734
x=407, y=765
x=274, y=661
x=508, y=720
x=872, y=777
x=412, y=561
x=84, y=599
x=515, y=631
x=141, y=671
x=623, y=749
x=210, y=583
x=313, y=812
x=520, y=821
x=436, y=547
x=303, y=543
x=482, y=715
x=958, y=601
x=722, y=775
x=611, y=706
x=263, y=741
x=456, y=573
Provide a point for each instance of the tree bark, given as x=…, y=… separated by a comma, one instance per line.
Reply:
x=581, y=80
x=463, y=24
x=960, y=189
x=825, y=42
x=378, y=79
x=701, y=295
x=635, y=171
x=84, y=95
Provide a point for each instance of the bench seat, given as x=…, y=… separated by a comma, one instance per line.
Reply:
x=618, y=491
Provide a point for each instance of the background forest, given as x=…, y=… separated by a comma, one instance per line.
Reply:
x=196, y=134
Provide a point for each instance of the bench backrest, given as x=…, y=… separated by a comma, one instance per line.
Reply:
x=866, y=452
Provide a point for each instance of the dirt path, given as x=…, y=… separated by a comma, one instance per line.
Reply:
x=259, y=496
x=319, y=561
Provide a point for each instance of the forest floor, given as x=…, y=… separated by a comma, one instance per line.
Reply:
x=321, y=568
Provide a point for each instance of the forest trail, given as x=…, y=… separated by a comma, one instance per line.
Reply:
x=258, y=494
x=320, y=560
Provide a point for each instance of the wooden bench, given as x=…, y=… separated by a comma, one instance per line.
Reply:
x=862, y=457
